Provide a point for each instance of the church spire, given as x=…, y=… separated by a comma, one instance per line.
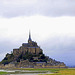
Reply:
x=29, y=37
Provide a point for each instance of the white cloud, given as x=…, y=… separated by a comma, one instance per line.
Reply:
x=60, y=48
x=13, y=8
x=40, y=25
x=18, y=2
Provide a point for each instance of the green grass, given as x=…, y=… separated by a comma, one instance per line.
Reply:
x=61, y=72
x=3, y=73
x=43, y=69
x=55, y=71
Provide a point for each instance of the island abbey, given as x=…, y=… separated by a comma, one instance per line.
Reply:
x=29, y=55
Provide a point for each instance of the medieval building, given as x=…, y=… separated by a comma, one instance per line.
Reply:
x=30, y=47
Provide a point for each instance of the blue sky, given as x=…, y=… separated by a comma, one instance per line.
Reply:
x=52, y=25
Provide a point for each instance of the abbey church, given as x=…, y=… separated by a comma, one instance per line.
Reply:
x=29, y=55
x=30, y=47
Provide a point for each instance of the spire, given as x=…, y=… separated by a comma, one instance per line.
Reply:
x=29, y=37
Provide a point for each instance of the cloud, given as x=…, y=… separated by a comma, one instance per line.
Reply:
x=53, y=8
x=19, y=27
x=7, y=45
x=61, y=48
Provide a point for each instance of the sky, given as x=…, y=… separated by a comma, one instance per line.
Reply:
x=51, y=23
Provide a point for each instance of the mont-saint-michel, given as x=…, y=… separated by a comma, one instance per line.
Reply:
x=29, y=55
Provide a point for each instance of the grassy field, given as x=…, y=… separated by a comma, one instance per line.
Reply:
x=64, y=71
x=67, y=71
x=3, y=73
x=61, y=72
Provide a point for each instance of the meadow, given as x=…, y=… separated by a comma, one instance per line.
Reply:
x=3, y=73
x=64, y=71
x=57, y=71
x=70, y=71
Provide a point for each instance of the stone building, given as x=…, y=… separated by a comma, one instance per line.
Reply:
x=30, y=47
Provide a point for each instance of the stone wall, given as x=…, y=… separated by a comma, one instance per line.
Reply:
x=22, y=49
